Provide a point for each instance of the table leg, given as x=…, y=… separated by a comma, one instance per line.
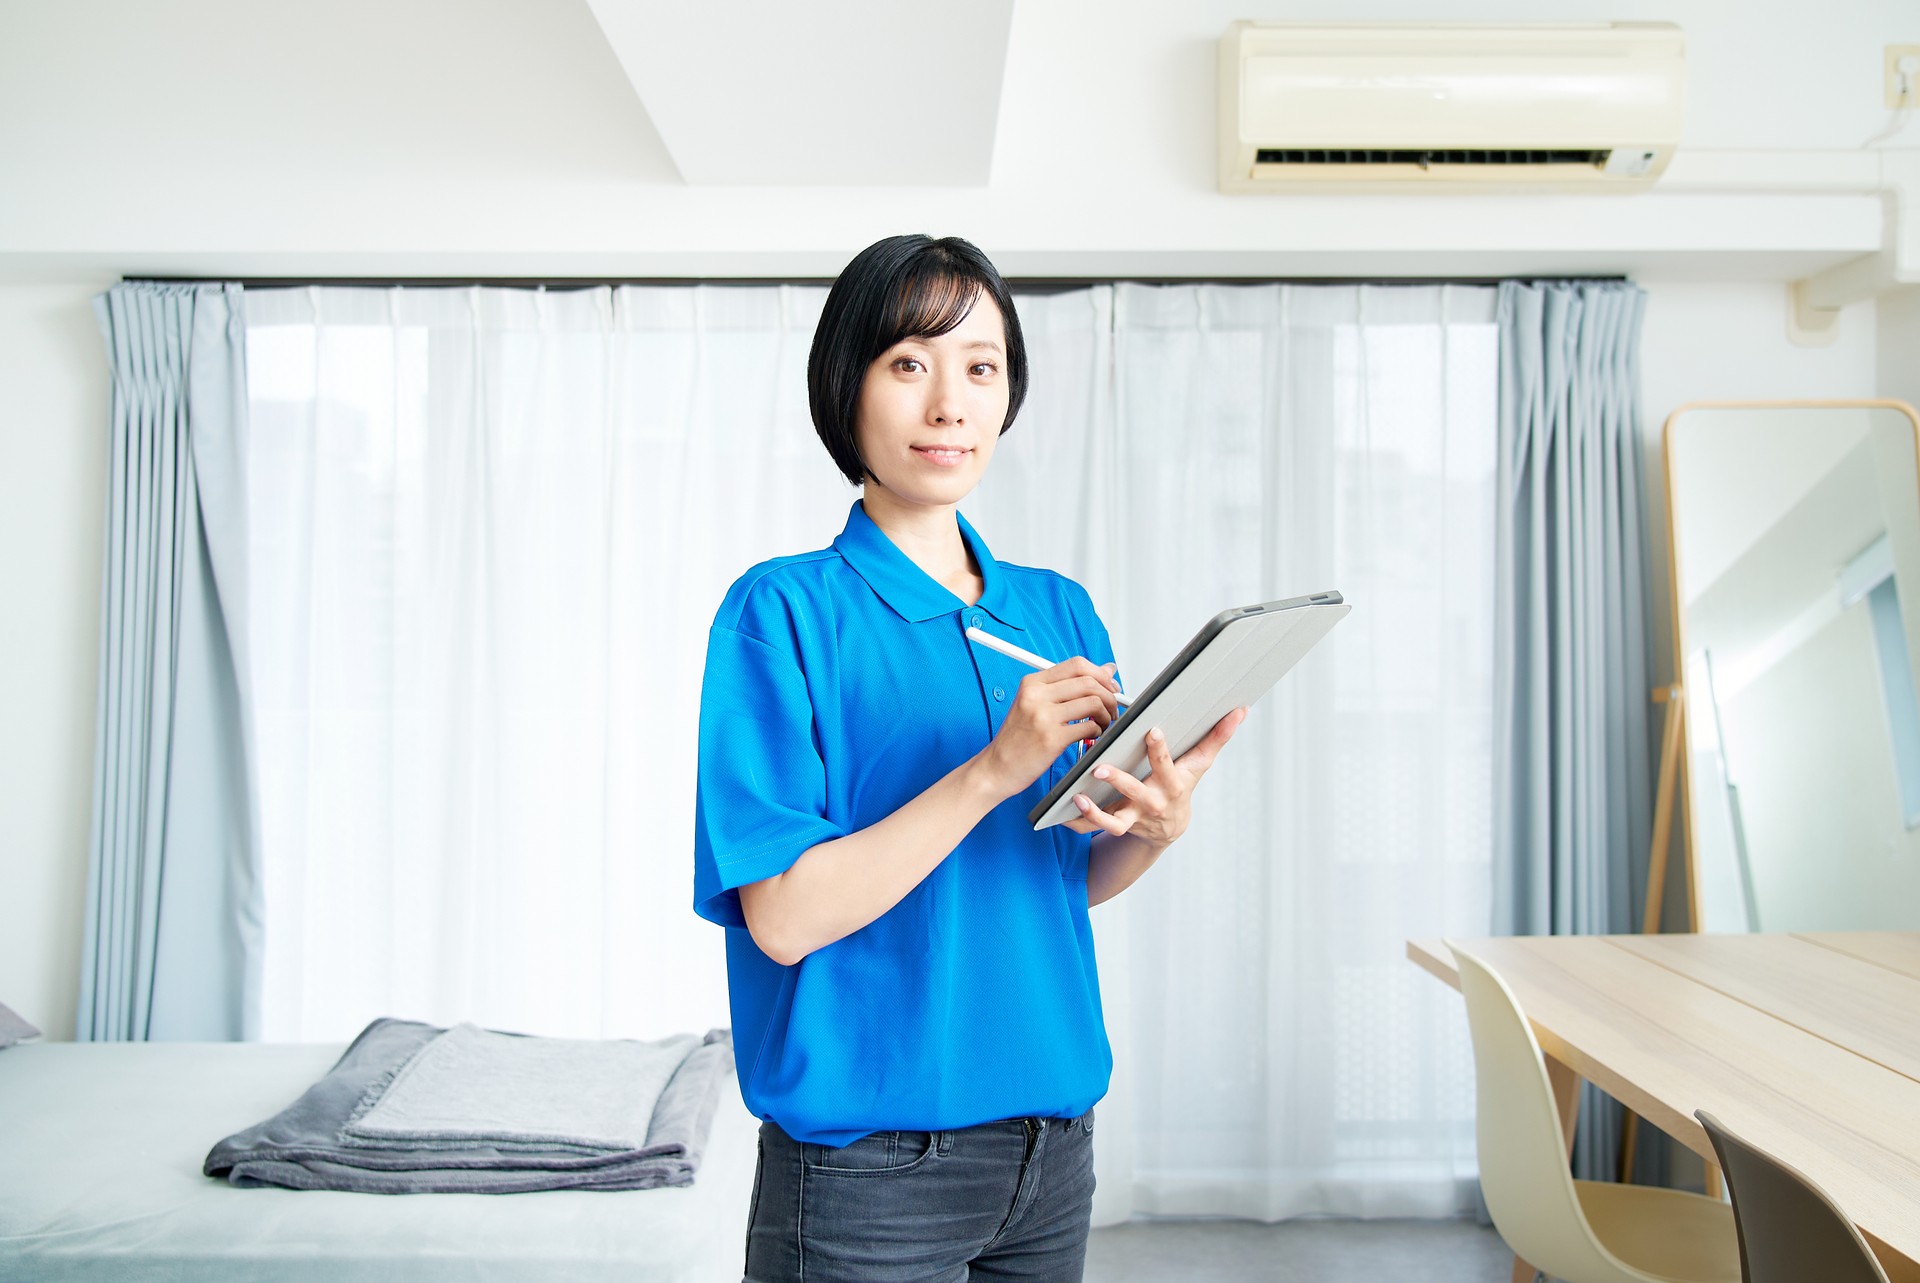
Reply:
x=1900, y=1268
x=1566, y=1098
x=1566, y=1095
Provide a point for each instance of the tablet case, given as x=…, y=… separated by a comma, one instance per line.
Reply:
x=1232, y=661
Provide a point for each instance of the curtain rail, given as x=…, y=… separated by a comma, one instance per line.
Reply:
x=1030, y=284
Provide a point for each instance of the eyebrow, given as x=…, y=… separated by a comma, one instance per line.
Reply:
x=977, y=343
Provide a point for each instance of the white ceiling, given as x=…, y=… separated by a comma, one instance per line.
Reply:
x=858, y=93
x=599, y=138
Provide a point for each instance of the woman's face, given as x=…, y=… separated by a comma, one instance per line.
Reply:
x=949, y=391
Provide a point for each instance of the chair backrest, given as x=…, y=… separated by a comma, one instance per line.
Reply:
x=1789, y=1229
x=1523, y=1152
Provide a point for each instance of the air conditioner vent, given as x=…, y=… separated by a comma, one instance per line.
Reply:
x=1373, y=156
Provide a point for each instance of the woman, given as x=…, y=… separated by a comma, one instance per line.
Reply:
x=916, y=1013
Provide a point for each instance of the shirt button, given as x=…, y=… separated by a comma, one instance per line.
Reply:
x=999, y=692
x=974, y=621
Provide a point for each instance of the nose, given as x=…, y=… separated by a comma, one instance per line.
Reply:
x=946, y=398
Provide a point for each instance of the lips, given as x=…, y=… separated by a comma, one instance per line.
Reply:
x=943, y=457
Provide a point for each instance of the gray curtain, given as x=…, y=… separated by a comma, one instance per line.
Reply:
x=173, y=912
x=1572, y=772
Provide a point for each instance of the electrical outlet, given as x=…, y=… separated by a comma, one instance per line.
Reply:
x=1911, y=98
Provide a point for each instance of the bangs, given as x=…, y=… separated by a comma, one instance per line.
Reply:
x=927, y=304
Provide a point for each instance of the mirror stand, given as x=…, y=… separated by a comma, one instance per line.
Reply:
x=1657, y=868
x=1663, y=809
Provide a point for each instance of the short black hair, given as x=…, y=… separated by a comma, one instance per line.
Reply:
x=901, y=287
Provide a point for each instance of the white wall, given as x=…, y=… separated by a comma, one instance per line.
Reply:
x=500, y=138
x=53, y=411
x=1897, y=362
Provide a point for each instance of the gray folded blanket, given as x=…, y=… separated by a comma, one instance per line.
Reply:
x=471, y=1087
x=489, y=1113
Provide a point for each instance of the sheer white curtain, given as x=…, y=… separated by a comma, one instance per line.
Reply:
x=493, y=526
x=1212, y=445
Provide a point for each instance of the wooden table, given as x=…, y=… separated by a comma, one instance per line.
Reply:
x=1807, y=1045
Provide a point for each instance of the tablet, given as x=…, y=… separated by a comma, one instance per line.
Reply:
x=1232, y=661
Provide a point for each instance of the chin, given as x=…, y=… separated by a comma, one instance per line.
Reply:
x=949, y=490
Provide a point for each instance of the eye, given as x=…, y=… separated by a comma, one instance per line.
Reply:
x=986, y=365
x=914, y=359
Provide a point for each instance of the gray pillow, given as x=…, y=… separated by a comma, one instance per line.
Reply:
x=13, y=1028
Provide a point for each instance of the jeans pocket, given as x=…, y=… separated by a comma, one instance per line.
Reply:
x=759, y=1174
x=875, y=1154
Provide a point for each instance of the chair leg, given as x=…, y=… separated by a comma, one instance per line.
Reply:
x=1524, y=1273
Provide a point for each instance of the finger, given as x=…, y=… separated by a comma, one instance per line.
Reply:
x=1159, y=756
x=1072, y=666
x=1089, y=809
x=1097, y=707
x=1224, y=728
x=1078, y=733
x=1126, y=785
x=1200, y=757
x=1083, y=686
x=1102, y=677
x=1093, y=686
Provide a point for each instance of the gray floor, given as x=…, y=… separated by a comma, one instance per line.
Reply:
x=1300, y=1251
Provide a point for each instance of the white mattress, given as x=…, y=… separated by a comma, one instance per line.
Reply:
x=100, y=1153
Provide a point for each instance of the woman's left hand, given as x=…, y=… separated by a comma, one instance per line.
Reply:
x=1156, y=808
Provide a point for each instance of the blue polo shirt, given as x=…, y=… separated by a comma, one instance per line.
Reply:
x=840, y=685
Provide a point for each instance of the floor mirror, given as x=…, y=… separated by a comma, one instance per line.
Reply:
x=1796, y=615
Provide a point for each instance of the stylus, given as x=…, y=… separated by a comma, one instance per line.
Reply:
x=1027, y=657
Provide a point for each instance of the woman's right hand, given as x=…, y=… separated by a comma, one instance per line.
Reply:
x=1040, y=725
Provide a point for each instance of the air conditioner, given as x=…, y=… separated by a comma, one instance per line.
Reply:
x=1394, y=106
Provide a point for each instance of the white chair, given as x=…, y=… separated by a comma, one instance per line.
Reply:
x=1580, y=1231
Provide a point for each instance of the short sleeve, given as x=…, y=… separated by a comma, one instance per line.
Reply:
x=761, y=795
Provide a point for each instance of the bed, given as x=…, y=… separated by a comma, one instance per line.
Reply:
x=100, y=1153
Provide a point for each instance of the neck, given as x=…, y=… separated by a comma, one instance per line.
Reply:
x=929, y=534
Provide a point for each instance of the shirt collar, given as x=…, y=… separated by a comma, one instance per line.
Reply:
x=913, y=594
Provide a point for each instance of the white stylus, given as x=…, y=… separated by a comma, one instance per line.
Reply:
x=1012, y=651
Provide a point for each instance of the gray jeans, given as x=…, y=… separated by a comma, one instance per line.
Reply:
x=1002, y=1200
